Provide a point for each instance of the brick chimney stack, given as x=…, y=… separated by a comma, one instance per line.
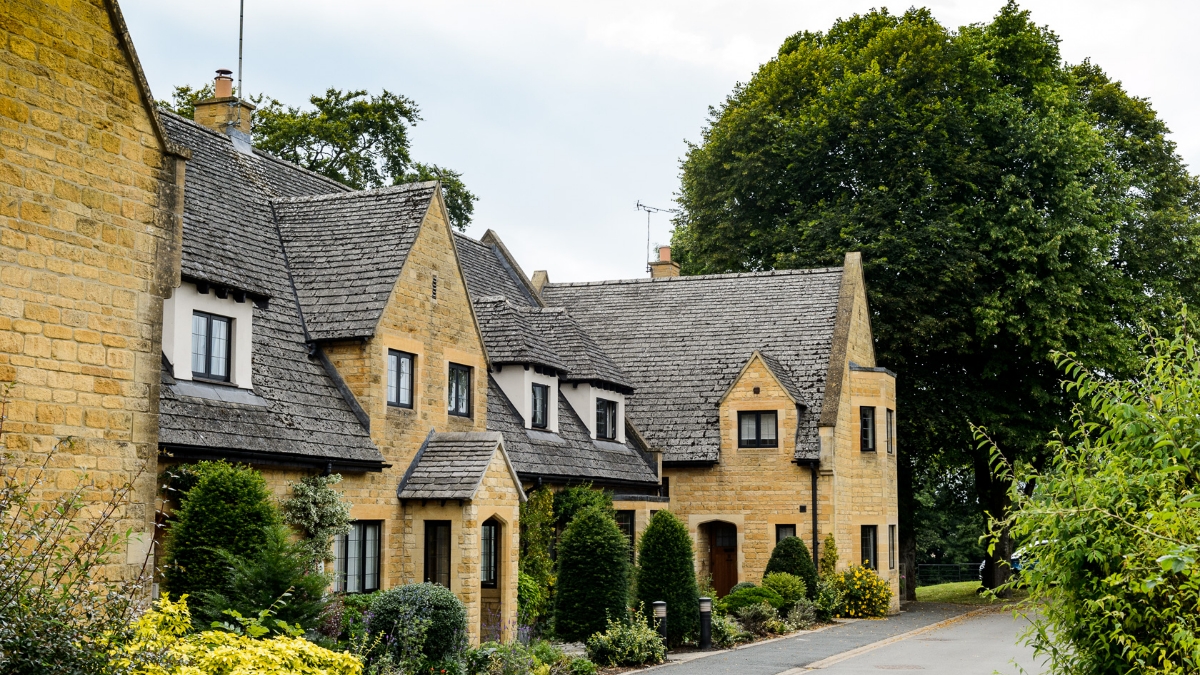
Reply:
x=664, y=266
x=225, y=112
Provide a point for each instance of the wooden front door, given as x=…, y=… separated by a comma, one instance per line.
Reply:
x=722, y=538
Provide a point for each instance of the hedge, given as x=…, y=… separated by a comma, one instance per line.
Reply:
x=666, y=571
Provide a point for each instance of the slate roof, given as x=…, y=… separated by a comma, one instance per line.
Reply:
x=683, y=340
x=452, y=466
x=229, y=238
x=571, y=454
x=511, y=335
x=489, y=272
x=345, y=252
x=585, y=360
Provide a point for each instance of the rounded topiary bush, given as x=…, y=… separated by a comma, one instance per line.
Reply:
x=743, y=584
x=666, y=571
x=789, y=586
x=228, y=508
x=745, y=597
x=593, y=575
x=792, y=556
x=425, y=619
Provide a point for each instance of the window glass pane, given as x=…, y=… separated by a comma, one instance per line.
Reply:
x=339, y=564
x=437, y=552
x=612, y=419
x=370, y=556
x=747, y=433
x=540, y=395
x=601, y=418
x=199, y=343
x=220, y=347
x=766, y=428
x=891, y=434
x=406, y=380
x=625, y=522
x=487, y=572
x=867, y=422
x=783, y=532
x=393, y=375
x=460, y=390
x=354, y=559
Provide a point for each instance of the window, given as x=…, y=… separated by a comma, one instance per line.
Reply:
x=783, y=532
x=459, y=395
x=868, y=547
x=757, y=430
x=606, y=419
x=625, y=522
x=665, y=489
x=891, y=547
x=210, y=346
x=866, y=419
x=356, y=559
x=890, y=419
x=400, y=379
x=489, y=566
x=437, y=552
x=541, y=401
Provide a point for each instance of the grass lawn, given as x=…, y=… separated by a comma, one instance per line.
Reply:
x=962, y=593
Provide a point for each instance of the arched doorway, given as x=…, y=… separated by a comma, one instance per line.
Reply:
x=723, y=556
x=491, y=605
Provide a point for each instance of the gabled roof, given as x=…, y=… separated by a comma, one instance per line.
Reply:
x=453, y=465
x=297, y=413
x=781, y=375
x=490, y=270
x=345, y=252
x=683, y=340
x=569, y=455
x=585, y=360
x=511, y=334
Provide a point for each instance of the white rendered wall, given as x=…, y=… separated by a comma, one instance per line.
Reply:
x=177, y=331
x=582, y=398
x=517, y=384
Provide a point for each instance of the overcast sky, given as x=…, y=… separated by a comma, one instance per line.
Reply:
x=563, y=115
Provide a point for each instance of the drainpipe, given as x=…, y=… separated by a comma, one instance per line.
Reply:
x=812, y=467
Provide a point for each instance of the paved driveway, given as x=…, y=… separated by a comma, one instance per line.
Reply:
x=995, y=633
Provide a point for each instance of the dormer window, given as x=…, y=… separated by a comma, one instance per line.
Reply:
x=606, y=419
x=210, y=346
x=758, y=430
x=400, y=379
x=541, y=406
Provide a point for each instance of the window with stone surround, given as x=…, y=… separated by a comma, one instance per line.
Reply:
x=400, y=379
x=866, y=421
x=489, y=562
x=625, y=522
x=891, y=547
x=758, y=429
x=783, y=532
x=869, y=547
x=437, y=552
x=459, y=391
x=211, y=340
x=890, y=420
x=356, y=558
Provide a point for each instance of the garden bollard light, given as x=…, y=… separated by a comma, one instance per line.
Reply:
x=705, y=623
x=660, y=617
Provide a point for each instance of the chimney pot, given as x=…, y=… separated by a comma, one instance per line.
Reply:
x=664, y=254
x=223, y=84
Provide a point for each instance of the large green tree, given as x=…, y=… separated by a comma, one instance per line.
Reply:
x=353, y=137
x=1006, y=204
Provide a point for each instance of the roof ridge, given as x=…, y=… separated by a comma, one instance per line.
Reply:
x=700, y=277
x=352, y=194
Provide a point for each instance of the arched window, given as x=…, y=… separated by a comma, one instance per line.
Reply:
x=489, y=567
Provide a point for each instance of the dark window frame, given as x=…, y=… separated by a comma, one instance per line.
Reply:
x=436, y=551
x=341, y=581
x=412, y=378
x=757, y=441
x=206, y=374
x=544, y=421
x=891, y=547
x=608, y=412
x=664, y=490
x=867, y=435
x=450, y=384
x=890, y=421
x=628, y=529
x=780, y=528
x=489, y=557
x=869, y=553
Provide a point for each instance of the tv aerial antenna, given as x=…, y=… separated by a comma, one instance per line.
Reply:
x=650, y=210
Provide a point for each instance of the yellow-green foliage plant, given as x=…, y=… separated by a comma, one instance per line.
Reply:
x=164, y=632
x=864, y=594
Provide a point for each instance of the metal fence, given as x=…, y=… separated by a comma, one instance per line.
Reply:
x=931, y=574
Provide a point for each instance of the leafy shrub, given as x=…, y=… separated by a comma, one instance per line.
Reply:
x=745, y=597
x=166, y=632
x=828, y=602
x=58, y=613
x=537, y=535
x=1111, y=531
x=419, y=622
x=756, y=618
x=792, y=556
x=280, y=571
x=571, y=501
x=829, y=556
x=538, y=658
x=744, y=584
x=344, y=617
x=593, y=575
x=864, y=594
x=228, y=509
x=627, y=643
x=803, y=614
x=727, y=632
x=531, y=600
x=319, y=513
x=666, y=571
x=789, y=586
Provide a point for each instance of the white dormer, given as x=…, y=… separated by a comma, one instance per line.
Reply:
x=602, y=410
x=207, y=338
x=534, y=394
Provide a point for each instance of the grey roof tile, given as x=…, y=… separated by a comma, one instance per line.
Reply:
x=451, y=466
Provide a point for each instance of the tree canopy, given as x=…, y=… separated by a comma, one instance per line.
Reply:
x=1007, y=205
x=355, y=138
